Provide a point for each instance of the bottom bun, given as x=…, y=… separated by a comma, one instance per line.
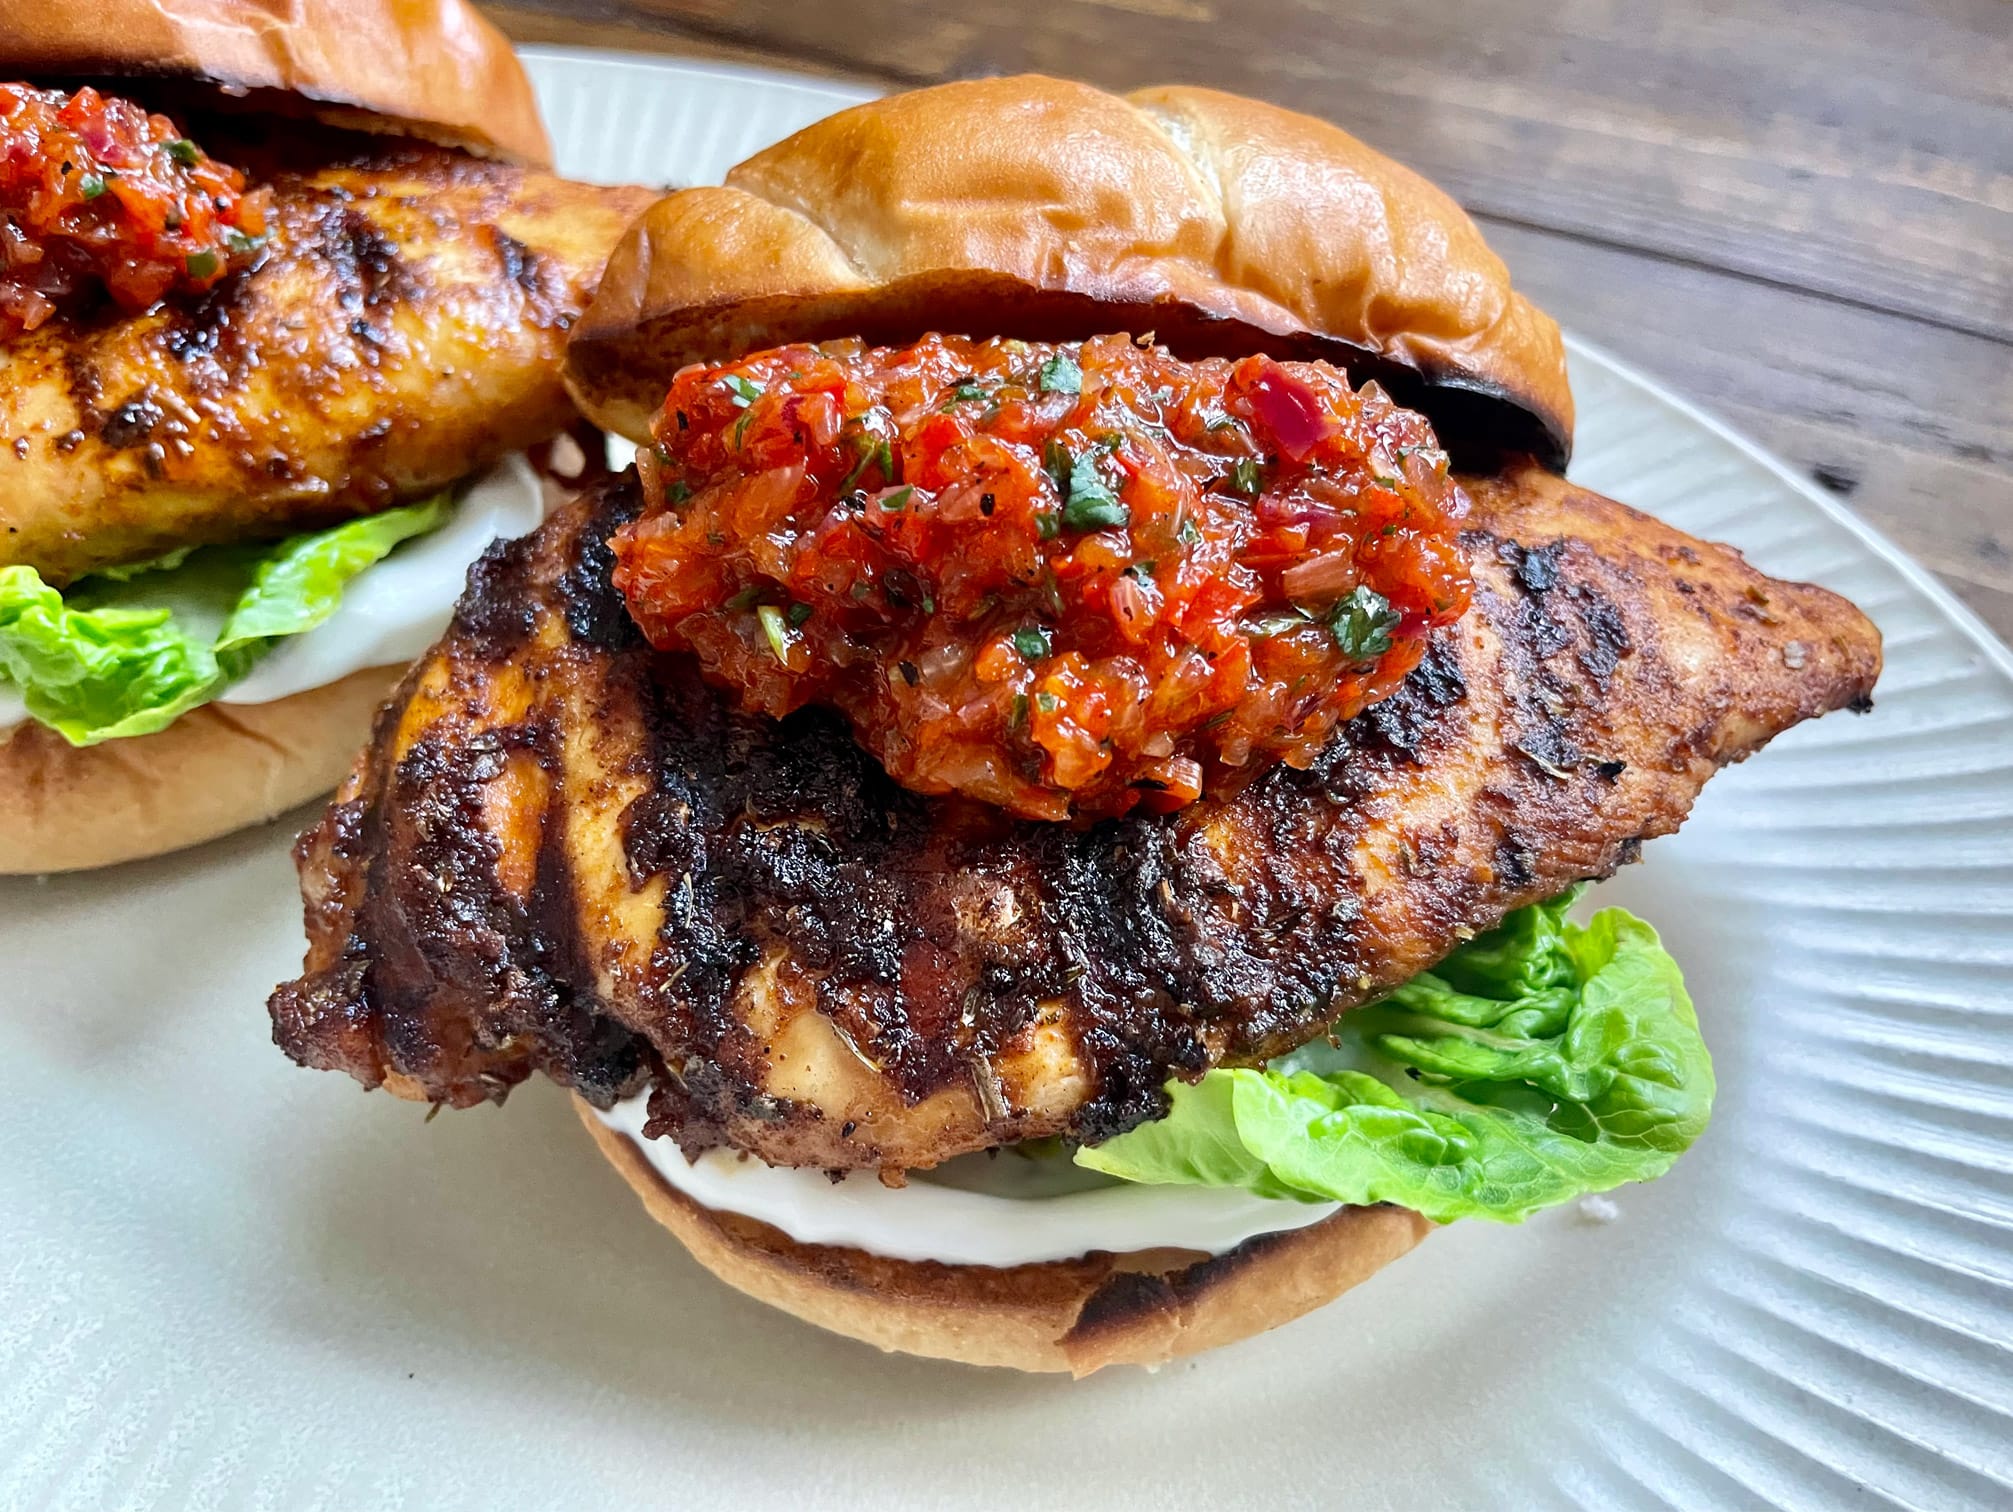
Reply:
x=216, y=769
x=1143, y=1308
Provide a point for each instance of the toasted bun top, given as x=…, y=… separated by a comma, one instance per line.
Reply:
x=1050, y=210
x=433, y=69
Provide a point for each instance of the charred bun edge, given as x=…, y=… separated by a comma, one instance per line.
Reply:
x=218, y=768
x=1480, y=423
x=435, y=70
x=1223, y=226
x=1071, y=1316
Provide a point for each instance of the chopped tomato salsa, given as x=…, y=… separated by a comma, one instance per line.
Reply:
x=97, y=194
x=1069, y=580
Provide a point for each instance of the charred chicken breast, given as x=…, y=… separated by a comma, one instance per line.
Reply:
x=566, y=852
x=399, y=330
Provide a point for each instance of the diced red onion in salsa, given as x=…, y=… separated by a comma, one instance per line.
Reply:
x=97, y=196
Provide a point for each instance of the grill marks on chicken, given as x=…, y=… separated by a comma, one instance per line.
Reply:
x=562, y=852
x=402, y=331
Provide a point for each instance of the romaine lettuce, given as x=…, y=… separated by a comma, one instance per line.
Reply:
x=1538, y=1063
x=128, y=651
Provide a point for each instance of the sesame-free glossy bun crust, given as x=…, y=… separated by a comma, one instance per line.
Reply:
x=216, y=769
x=433, y=69
x=1073, y=1316
x=1045, y=209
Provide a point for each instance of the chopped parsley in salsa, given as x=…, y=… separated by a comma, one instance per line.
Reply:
x=1071, y=581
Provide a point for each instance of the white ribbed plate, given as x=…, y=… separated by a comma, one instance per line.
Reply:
x=225, y=1282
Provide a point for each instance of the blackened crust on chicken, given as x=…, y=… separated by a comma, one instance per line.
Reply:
x=564, y=852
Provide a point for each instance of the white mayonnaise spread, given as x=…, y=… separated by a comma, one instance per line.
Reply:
x=392, y=610
x=994, y=1210
x=395, y=609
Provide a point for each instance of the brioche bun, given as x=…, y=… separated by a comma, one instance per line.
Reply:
x=1050, y=210
x=1067, y=1315
x=216, y=769
x=433, y=69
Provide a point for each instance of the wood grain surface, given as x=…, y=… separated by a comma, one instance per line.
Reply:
x=1799, y=214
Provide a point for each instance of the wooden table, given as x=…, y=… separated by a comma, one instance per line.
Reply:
x=1800, y=213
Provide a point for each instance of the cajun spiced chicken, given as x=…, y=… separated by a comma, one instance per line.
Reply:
x=1218, y=707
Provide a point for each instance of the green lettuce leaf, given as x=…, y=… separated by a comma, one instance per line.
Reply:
x=130, y=650
x=297, y=584
x=1538, y=1063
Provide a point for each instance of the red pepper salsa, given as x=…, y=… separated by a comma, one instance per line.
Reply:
x=1068, y=580
x=96, y=193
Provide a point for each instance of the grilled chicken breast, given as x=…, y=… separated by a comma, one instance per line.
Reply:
x=563, y=852
x=403, y=331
